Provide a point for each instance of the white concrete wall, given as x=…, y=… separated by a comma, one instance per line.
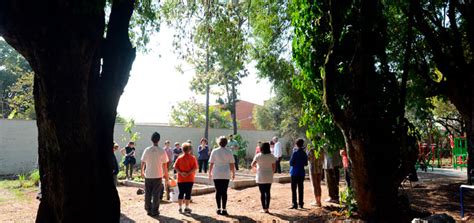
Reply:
x=19, y=146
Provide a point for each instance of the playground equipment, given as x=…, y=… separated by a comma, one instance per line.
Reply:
x=460, y=153
x=426, y=156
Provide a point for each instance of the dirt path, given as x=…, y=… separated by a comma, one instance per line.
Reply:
x=435, y=194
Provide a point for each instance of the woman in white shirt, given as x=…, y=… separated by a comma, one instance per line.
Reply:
x=265, y=163
x=221, y=170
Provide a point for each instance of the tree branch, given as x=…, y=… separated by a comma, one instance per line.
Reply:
x=431, y=36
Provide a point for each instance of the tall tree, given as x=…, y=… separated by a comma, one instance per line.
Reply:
x=13, y=66
x=20, y=98
x=343, y=46
x=81, y=61
x=446, y=26
x=214, y=36
x=190, y=113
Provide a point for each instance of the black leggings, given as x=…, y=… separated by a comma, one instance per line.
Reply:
x=203, y=165
x=221, y=192
x=265, y=195
x=185, y=190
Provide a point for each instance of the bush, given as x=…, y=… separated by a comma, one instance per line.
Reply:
x=35, y=177
x=121, y=175
x=348, y=202
x=24, y=182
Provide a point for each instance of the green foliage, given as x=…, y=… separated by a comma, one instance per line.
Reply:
x=347, y=201
x=121, y=174
x=264, y=117
x=35, y=177
x=24, y=182
x=120, y=120
x=310, y=44
x=190, y=113
x=130, y=135
x=138, y=179
x=243, y=146
x=212, y=36
x=21, y=99
x=144, y=22
x=13, y=69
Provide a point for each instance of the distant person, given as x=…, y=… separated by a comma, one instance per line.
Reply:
x=204, y=154
x=346, y=165
x=277, y=153
x=221, y=170
x=258, y=147
x=315, y=161
x=272, y=147
x=169, y=153
x=265, y=163
x=186, y=166
x=154, y=168
x=176, y=151
x=233, y=145
x=129, y=161
x=115, y=165
x=331, y=165
x=298, y=160
x=190, y=143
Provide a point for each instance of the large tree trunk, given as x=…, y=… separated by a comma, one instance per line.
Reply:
x=371, y=121
x=76, y=95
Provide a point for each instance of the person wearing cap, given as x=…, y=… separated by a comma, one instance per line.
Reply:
x=154, y=168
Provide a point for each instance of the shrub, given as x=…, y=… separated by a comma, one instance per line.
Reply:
x=348, y=202
x=35, y=177
x=121, y=175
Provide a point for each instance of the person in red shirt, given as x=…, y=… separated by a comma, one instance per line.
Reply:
x=186, y=166
x=346, y=165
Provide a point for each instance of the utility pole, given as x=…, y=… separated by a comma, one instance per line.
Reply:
x=206, y=129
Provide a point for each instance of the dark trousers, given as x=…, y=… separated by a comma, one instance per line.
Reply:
x=236, y=162
x=129, y=168
x=265, y=195
x=297, y=182
x=347, y=175
x=185, y=190
x=221, y=192
x=203, y=165
x=153, y=190
x=332, y=182
x=277, y=165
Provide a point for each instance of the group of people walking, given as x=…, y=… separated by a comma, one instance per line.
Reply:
x=156, y=163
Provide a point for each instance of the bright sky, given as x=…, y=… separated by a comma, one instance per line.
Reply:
x=155, y=85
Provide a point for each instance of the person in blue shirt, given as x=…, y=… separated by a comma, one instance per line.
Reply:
x=204, y=153
x=298, y=160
